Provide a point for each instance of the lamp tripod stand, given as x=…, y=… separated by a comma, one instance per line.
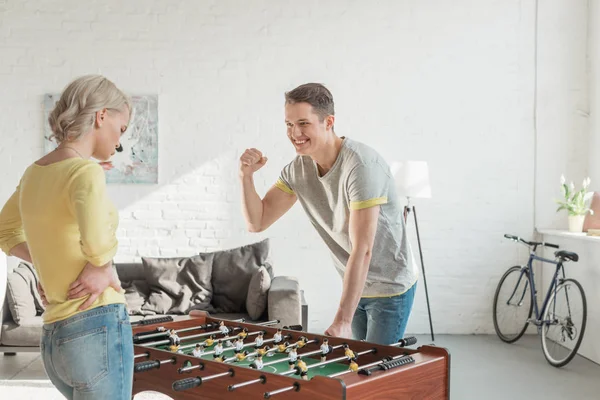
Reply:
x=407, y=210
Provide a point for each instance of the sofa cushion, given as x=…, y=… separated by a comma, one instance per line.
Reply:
x=231, y=274
x=136, y=295
x=178, y=285
x=22, y=295
x=258, y=289
x=27, y=333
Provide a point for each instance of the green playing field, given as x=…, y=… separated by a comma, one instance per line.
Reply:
x=283, y=365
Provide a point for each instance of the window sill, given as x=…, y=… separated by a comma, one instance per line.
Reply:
x=570, y=235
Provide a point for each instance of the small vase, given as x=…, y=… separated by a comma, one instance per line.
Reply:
x=576, y=223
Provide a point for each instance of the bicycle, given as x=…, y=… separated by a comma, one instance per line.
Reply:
x=558, y=327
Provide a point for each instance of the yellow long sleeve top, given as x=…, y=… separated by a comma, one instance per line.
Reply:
x=63, y=213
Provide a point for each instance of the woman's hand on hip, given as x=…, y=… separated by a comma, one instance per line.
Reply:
x=93, y=281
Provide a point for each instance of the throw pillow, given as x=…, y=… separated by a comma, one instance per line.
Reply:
x=22, y=296
x=256, y=302
x=231, y=274
x=178, y=285
x=136, y=294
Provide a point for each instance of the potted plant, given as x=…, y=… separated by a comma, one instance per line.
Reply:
x=575, y=202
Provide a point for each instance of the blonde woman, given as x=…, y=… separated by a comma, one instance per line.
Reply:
x=61, y=220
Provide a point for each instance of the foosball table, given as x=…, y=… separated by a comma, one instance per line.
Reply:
x=200, y=357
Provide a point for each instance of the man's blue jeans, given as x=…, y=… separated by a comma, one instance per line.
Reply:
x=90, y=355
x=383, y=320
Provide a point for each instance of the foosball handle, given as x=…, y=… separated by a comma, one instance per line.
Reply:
x=144, y=366
x=293, y=327
x=153, y=321
x=409, y=341
x=389, y=364
x=187, y=383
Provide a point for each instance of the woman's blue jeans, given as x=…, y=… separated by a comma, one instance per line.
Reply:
x=90, y=355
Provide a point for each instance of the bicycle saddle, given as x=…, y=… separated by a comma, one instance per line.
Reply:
x=567, y=255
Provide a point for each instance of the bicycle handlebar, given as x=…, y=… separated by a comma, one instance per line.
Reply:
x=518, y=239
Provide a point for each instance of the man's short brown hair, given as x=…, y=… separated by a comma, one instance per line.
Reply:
x=315, y=94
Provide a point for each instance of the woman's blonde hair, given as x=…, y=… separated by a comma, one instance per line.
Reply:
x=75, y=111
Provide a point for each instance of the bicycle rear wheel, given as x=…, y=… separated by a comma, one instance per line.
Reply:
x=512, y=305
x=564, y=322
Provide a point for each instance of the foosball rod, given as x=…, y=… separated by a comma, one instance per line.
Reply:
x=152, y=364
x=190, y=383
x=310, y=353
x=167, y=341
x=226, y=338
x=141, y=355
x=230, y=359
x=373, y=364
x=267, y=341
x=147, y=335
x=231, y=388
x=268, y=395
x=409, y=341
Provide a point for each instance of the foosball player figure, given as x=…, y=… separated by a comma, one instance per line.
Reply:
x=263, y=351
x=258, y=363
x=258, y=342
x=302, y=369
x=281, y=347
x=277, y=337
x=325, y=349
x=198, y=350
x=210, y=341
x=301, y=342
x=223, y=329
x=244, y=333
x=293, y=357
x=353, y=366
x=173, y=338
x=239, y=345
x=161, y=329
x=349, y=353
x=174, y=348
x=218, y=350
x=241, y=356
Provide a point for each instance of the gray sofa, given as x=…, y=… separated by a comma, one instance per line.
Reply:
x=159, y=287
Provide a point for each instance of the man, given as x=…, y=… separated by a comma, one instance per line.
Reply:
x=348, y=193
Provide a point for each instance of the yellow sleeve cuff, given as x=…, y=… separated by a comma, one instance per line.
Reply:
x=359, y=205
x=281, y=185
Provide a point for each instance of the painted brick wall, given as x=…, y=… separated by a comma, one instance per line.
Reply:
x=447, y=82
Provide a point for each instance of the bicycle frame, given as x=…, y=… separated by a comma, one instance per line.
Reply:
x=553, y=285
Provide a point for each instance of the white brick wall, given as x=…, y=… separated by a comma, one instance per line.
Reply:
x=563, y=90
x=594, y=120
x=446, y=82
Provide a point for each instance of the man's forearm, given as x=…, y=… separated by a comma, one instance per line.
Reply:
x=252, y=205
x=21, y=251
x=355, y=277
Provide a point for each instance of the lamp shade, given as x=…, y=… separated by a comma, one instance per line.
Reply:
x=412, y=179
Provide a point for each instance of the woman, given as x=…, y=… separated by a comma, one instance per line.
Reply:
x=60, y=219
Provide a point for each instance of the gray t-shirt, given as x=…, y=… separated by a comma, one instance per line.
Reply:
x=359, y=178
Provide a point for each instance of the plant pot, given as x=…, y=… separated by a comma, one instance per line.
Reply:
x=576, y=223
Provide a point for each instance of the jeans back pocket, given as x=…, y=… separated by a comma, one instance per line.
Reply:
x=82, y=358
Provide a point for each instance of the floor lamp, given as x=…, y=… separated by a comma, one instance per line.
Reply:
x=412, y=181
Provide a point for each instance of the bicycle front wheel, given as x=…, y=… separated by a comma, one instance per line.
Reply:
x=512, y=305
x=563, y=323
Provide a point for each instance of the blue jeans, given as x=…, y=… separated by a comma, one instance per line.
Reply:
x=90, y=355
x=383, y=320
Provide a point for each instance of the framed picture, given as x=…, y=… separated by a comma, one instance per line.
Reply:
x=138, y=162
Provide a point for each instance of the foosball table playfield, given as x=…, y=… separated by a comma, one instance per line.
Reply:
x=200, y=357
